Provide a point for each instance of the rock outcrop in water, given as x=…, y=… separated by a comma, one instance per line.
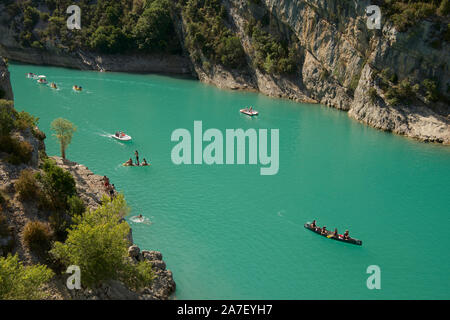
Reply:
x=379, y=76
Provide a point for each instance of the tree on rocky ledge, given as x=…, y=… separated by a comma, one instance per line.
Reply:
x=64, y=130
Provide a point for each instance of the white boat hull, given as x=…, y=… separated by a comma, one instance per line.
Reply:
x=123, y=138
x=249, y=113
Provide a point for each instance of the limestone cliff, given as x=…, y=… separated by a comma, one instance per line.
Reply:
x=5, y=84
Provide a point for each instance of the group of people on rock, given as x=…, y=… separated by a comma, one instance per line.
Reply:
x=324, y=231
x=109, y=188
x=142, y=164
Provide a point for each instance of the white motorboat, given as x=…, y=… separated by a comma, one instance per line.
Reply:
x=121, y=136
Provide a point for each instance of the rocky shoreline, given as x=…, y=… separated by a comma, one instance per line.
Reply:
x=91, y=189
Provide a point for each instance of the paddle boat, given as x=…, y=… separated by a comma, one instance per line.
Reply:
x=77, y=88
x=130, y=163
x=121, y=136
x=249, y=111
x=42, y=80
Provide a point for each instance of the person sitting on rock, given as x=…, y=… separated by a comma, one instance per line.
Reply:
x=106, y=181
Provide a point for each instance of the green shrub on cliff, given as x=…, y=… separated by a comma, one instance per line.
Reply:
x=27, y=185
x=97, y=243
x=154, y=30
x=272, y=53
x=58, y=184
x=37, y=236
x=431, y=90
x=18, y=282
x=405, y=14
x=19, y=151
x=208, y=35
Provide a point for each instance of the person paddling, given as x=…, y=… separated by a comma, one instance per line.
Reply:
x=324, y=230
x=335, y=233
x=144, y=162
x=346, y=236
x=313, y=224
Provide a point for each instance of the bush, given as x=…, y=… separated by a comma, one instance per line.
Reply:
x=27, y=185
x=22, y=283
x=6, y=117
x=406, y=14
x=154, y=31
x=19, y=151
x=208, y=35
x=431, y=90
x=272, y=53
x=87, y=241
x=444, y=8
x=76, y=206
x=37, y=236
x=24, y=121
x=58, y=184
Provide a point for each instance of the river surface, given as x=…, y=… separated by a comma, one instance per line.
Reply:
x=228, y=232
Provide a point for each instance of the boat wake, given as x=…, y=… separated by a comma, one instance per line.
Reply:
x=281, y=215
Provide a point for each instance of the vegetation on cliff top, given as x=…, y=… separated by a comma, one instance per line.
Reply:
x=208, y=37
x=107, y=26
x=407, y=14
x=94, y=232
x=11, y=122
x=18, y=282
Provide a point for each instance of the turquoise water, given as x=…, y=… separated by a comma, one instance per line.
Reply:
x=227, y=232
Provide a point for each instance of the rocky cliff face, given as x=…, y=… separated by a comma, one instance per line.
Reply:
x=341, y=63
x=5, y=84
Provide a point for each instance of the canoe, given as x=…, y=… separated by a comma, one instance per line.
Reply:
x=249, y=113
x=340, y=238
